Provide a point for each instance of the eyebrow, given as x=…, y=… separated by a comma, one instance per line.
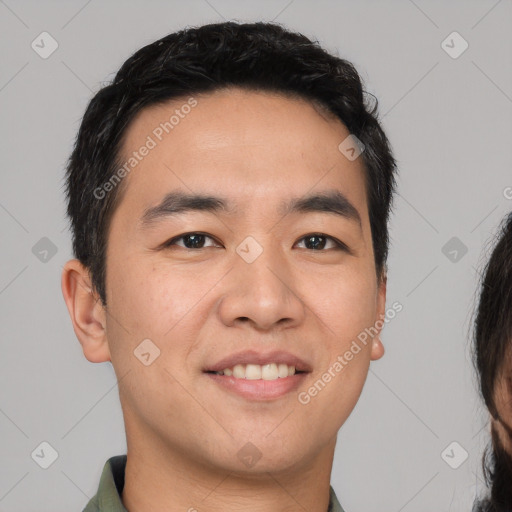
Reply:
x=175, y=203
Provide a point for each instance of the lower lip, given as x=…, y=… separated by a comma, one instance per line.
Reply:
x=259, y=389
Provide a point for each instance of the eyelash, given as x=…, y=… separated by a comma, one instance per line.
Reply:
x=338, y=244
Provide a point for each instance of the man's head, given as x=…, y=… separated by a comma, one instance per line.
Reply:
x=244, y=228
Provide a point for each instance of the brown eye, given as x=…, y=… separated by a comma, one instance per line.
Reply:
x=318, y=242
x=190, y=241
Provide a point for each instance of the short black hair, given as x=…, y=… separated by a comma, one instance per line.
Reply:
x=492, y=356
x=252, y=56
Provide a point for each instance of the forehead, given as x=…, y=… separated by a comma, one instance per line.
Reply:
x=254, y=145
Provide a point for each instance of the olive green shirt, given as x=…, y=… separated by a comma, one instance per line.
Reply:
x=108, y=497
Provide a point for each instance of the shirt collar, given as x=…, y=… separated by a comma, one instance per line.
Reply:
x=108, y=497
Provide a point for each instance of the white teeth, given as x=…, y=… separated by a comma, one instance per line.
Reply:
x=239, y=371
x=270, y=371
x=282, y=370
x=253, y=372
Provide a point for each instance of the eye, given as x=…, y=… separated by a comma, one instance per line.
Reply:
x=313, y=241
x=318, y=241
x=190, y=241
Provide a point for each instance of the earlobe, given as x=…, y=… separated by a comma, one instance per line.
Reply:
x=86, y=311
x=377, y=349
x=377, y=345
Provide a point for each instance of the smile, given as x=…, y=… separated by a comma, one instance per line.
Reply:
x=270, y=371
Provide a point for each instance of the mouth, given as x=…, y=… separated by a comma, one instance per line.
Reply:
x=269, y=371
x=256, y=365
x=259, y=377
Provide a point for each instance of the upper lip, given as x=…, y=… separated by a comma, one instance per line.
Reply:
x=261, y=358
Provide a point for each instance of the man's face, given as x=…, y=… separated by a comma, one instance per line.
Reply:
x=250, y=277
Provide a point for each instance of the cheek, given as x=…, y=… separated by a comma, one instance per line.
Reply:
x=347, y=304
x=156, y=300
x=347, y=308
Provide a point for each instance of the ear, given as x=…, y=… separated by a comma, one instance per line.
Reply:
x=377, y=346
x=87, y=313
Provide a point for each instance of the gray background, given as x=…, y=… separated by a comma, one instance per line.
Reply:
x=450, y=124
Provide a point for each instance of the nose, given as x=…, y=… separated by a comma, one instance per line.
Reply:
x=262, y=293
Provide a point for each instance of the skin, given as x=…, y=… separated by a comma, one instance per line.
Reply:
x=200, y=305
x=503, y=402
